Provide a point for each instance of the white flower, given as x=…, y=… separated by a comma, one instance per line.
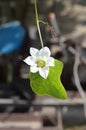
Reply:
x=40, y=61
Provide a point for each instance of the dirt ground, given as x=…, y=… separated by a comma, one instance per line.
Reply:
x=77, y=128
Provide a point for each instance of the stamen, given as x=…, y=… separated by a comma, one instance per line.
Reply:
x=41, y=63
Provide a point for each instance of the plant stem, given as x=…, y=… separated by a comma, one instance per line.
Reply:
x=37, y=22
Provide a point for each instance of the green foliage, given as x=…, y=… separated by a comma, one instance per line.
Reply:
x=51, y=86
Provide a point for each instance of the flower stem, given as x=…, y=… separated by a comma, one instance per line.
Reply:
x=37, y=22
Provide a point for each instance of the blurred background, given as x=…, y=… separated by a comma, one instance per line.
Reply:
x=63, y=28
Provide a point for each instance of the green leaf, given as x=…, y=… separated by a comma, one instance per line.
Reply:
x=51, y=86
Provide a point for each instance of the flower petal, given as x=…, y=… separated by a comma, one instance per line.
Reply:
x=50, y=61
x=29, y=60
x=44, y=72
x=33, y=51
x=34, y=69
x=44, y=52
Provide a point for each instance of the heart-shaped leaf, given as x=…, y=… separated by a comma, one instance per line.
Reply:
x=51, y=86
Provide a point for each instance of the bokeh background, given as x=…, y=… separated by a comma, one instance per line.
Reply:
x=63, y=28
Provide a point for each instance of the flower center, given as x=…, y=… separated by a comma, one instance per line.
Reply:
x=41, y=63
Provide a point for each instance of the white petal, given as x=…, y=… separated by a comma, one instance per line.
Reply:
x=44, y=72
x=44, y=52
x=34, y=69
x=29, y=60
x=33, y=51
x=50, y=62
